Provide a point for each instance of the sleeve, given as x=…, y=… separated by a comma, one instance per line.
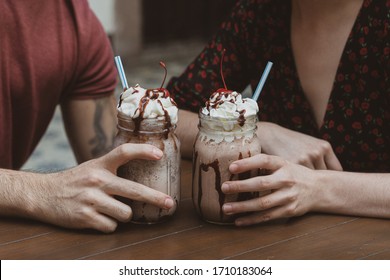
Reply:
x=95, y=72
x=202, y=77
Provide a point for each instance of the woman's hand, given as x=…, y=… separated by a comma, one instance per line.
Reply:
x=291, y=190
x=297, y=147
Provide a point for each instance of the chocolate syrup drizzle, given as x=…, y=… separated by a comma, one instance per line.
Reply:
x=218, y=183
x=205, y=167
x=121, y=97
x=217, y=97
x=200, y=192
x=153, y=94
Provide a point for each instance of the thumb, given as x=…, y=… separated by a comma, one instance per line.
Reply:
x=126, y=152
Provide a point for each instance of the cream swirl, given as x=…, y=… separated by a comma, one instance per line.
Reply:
x=228, y=104
x=139, y=103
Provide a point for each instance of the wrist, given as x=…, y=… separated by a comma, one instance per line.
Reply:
x=323, y=185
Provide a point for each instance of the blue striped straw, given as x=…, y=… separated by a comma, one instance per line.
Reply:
x=262, y=81
x=121, y=72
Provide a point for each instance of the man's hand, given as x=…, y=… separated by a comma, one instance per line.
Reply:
x=83, y=197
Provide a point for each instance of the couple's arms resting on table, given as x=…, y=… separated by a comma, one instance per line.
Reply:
x=305, y=176
x=82, y=197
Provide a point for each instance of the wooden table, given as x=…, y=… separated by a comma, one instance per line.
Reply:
x=185, y=236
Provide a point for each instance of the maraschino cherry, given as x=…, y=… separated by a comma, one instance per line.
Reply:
x=155, y=93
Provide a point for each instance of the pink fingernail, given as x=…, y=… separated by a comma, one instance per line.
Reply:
x=233, y=167
x=227, y=209
x=169, y=203
x=157, y=152
x=225, y=187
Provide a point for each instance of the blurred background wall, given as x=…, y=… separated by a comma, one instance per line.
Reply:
x=142, y=32
x=134, y=24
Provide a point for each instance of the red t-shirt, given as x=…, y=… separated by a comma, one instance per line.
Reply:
x=49, y=51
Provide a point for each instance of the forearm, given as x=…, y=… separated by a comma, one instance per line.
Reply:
x=17, y=195
x=359, y=194
x=90, y=126
x=187, y=130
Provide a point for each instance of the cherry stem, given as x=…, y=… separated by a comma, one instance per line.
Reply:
x=223, y=79
x=162, y=64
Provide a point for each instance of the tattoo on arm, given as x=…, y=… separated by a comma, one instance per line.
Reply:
x=101, y=143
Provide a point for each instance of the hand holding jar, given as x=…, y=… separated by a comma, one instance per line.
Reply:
x=227, y=132
x=150, y=117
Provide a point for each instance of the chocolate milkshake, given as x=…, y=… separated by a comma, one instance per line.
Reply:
x=150, y=116
x=227, y=132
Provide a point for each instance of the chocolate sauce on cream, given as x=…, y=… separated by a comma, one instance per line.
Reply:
x=221, y=96
x=216, y=98
x=152, y=94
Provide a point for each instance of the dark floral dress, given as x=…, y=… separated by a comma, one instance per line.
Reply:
x=357, y=118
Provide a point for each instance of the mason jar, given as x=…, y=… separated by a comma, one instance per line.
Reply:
x=162, y=175
x=219, y=142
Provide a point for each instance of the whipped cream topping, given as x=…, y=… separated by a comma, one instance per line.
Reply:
x=227, y=112
x=228, y=104
x=139, y=103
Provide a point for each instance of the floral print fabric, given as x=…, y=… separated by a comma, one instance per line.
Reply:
x=357, y=118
